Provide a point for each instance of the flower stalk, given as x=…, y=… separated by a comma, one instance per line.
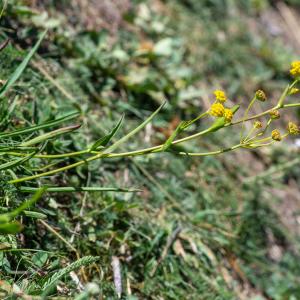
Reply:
x=223, y=118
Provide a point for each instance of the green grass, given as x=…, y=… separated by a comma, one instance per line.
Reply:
x=195, y=231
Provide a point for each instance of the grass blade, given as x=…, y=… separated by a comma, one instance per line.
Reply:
x=27, y=189
x=18, y=72
x=40, y=126
x=10, y=215
x=16, y=162
x=49, y=135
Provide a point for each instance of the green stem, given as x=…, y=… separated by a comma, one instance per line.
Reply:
x=26, y=189
x=285, y=93
x=263, y=113
x=196, y=119
x=245, y=116
x=114, y=155
x=154, y=149
x=212, y=152
x=52, y=156
x=291, y=105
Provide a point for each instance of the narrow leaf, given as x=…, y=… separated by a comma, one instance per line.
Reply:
x=220, y=122
x=169, y=141
x=10, y=215
x=18, y=72
x=10, y=228
x=40, y=126
x=34, y=214
x=16, y=162
x=49, y=135
x=134, y=131
x=235, y=108
x=104, y=140
x=27, y=189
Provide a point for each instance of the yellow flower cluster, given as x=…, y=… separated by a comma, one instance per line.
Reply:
x=217, y=110
x=228, y=114
x=260, y=95
x=293, y=128
x=274, y=114
x=294, y=91
x=257, y=124
x=220, y=96
x=295, y=69
x=276, y=135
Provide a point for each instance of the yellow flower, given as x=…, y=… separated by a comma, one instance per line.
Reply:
x=274, y=114
x=260, y=95
x=220, y=96
x=295, y=68
x=294, y=91
x=257, y=124
x=276, y=136
x=217, y=110
x=293, y=128
x=228, y=114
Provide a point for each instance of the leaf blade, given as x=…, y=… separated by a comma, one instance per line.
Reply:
x=40, y=126
x=105, y=140
x=20, y=69
x=134, y=131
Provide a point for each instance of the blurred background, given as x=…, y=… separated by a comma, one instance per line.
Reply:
x=221, y=227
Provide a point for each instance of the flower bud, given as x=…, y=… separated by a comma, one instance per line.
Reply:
x=276, y=136
x=293, y=128
x=257, y=124
x=260, y=95
x=220, y=96
x=294, y=91
x=274, y=114
x=228, y=114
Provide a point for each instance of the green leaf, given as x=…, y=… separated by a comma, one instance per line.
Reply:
x=34, y=214
x=105, y=140
x=31, y=129
x=16, y=162
x=169, y=141
x=49, y=135
x=220, y=122
x=27, y=189
x=4, y=218
x=18, y=72
x=181, y=127
x=10, y=228
x=134, y=131
x=39, y=258
x=235, y=108
x=84, y=261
